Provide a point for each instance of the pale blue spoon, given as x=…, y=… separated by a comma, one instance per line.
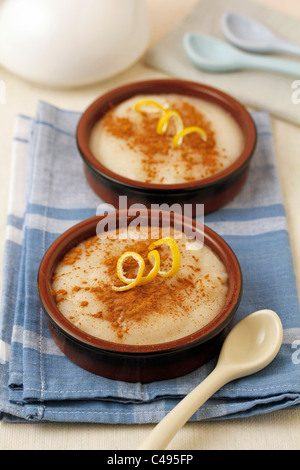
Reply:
x=252, y=36
x=213, y=55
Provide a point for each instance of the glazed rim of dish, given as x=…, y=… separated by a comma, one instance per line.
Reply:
x=165, y=86
x=86, y=229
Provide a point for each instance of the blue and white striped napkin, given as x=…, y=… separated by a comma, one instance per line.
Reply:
x=49, y=194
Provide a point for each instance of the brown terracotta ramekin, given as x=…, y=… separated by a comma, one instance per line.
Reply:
x=143, y=363
x=214, y=191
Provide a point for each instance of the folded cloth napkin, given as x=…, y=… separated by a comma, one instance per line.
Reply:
x=272, y=92
x=49, y=194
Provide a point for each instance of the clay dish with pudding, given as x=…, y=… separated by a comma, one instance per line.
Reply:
x=139, y=305
x=166, y=141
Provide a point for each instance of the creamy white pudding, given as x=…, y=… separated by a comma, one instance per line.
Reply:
x=163, y=310
x=126, y=141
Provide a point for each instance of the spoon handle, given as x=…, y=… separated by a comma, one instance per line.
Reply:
x=164, y=431
x=287, y=67
x=288, y=47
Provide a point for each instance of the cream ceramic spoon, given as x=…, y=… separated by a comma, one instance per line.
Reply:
x=250, y=346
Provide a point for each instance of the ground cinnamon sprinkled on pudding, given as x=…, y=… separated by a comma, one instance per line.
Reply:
x=143, y=137
x=125, y=134
x=163, y=310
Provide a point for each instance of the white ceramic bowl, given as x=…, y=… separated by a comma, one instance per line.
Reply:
x=67, y=43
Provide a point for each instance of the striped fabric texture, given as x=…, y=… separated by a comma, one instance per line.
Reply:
x=49, y=194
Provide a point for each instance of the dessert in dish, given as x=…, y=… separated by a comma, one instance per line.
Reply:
x=182, y=287
x=166, y=139
x=182, y=273
x=168, y=180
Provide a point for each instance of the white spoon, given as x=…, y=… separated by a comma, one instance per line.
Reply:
x=252, y=36
x=250, y=346
x=213, y=55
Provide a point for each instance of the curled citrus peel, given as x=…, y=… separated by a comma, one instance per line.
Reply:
x=163, y=123
x=175, y=253
x=130, y=283
x=149, y=106
x=178, y=138
x=154, y=259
